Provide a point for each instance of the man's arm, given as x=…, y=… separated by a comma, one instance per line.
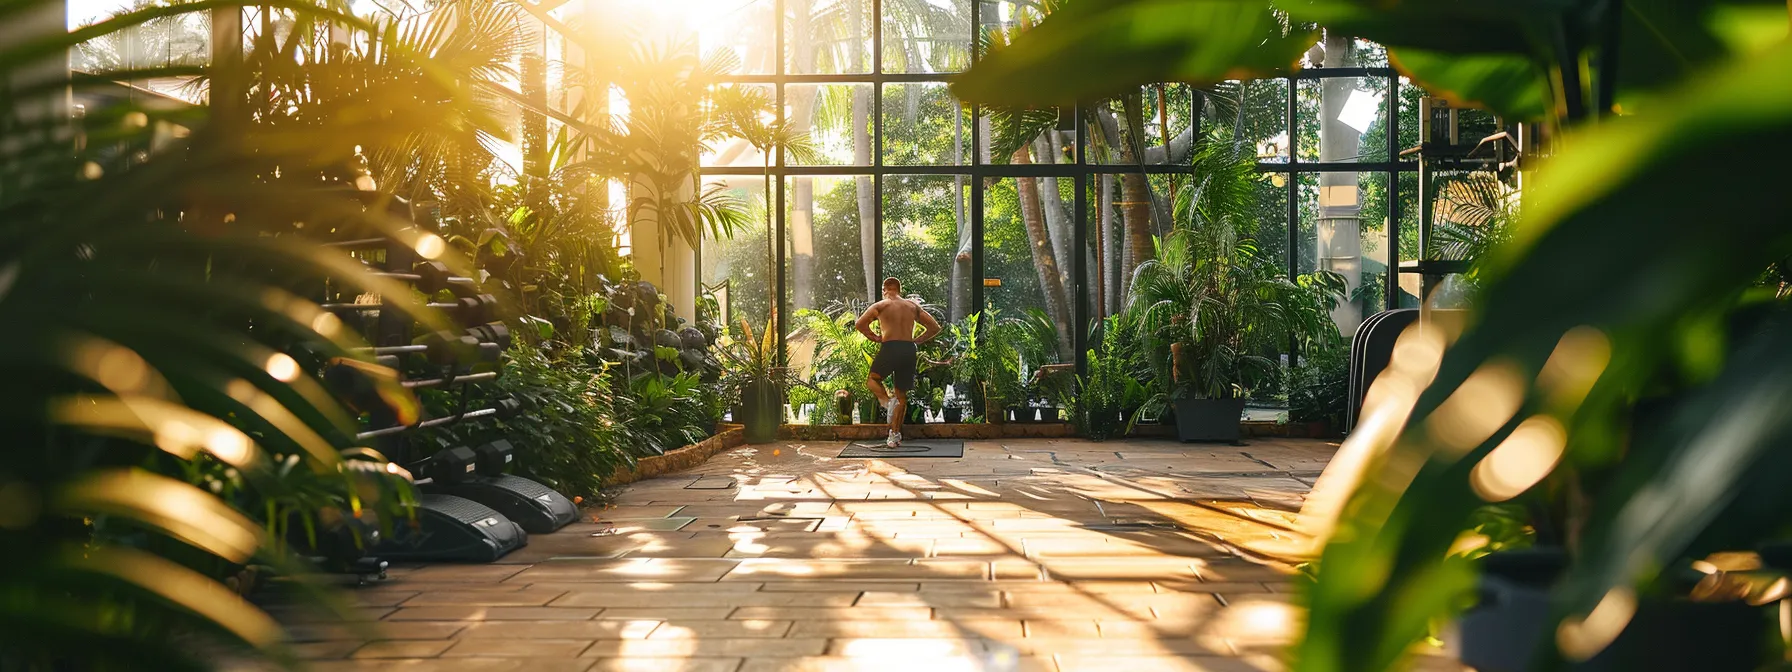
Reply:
x=864, y=323
x=929, y=327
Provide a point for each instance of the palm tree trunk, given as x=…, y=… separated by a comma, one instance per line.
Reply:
x=867, y=193
x=959, y=305
x=1058, y=221
x=1135, y=208
x=1107, y=251
x=1051, y=283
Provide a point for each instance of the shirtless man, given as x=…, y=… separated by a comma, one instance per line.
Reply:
x=896, y=356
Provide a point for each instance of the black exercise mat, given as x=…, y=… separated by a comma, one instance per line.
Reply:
x=909, y=448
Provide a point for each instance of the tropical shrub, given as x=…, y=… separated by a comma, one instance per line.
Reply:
x=1214, y=309
x=1319, y=386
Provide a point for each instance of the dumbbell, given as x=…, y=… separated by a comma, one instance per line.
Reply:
x=359, y=384
x=478, y=309
x=446, y=348
x=492, y=332
x=451, y=465
x=507, y=408
x=434, y=276
x=494, y=457
x=430, y=277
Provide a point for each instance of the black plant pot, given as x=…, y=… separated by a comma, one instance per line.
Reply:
x=917, y=416
x=763, y=403
x=1504, y=631
x=843, y=410
x=954, y=415
x=1209, y=419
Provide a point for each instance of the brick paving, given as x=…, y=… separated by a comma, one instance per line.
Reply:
x=1027, y=554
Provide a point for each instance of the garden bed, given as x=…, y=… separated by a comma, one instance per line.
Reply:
x=728, y=437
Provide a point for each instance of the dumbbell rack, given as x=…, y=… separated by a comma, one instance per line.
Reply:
x=449, y=527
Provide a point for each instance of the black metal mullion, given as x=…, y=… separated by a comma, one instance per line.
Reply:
x=1338, y=73
x=976, y=179
x=877, y=133
x=1391, y=300
x=1337, y=167
x=1293, y=196
x=777, y=231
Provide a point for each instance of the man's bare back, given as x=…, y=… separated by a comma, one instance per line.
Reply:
x=896, y=319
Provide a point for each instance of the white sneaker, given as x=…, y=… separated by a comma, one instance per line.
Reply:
x=894, y=440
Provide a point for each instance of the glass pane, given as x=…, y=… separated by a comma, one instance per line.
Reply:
x=1264, y=117
x=837, y=118
x=743, y=27
x=1340, y=116
x=828, y=37
x=1026, y=259
x=924, y=126
x=1306, y=237
x=927, y=36
x=1272, y=216
x=1410, y=94
x=1115, y=120
x=738, y=269
x=1409, y=236
x=1343, y=229
x=1370, y=54
x=927, y=239
x=1004, y=135
x=732, y=151
x=831, y=241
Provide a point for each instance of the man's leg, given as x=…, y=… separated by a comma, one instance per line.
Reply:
x=876, y=383
x=898, y=410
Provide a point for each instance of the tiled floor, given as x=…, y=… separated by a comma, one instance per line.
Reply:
x=1024, y=555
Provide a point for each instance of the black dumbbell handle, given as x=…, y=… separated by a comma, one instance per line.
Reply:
x=395, y=349
x=359, y=242
x=432, y=422
x=438, y=382
x=352, y=307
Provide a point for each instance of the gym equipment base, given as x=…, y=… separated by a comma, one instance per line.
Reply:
x=535, y=507
x=915, y=448
x=453, y=529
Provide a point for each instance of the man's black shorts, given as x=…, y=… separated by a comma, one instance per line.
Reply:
x=895, y=363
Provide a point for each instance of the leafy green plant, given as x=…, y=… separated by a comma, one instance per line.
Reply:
x=1319, y=387
x=841, y=356
x=1111, y=386
x=986, y=362
x=164, y=427
x=1660, y=312
x=1213, y=307
x=569, y=433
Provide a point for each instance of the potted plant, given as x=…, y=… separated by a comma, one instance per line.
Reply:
x=1540, y=398
x=986, y=364
x=752, y=369
x=1098, y=397
x=954, y=412
x=1214, y=308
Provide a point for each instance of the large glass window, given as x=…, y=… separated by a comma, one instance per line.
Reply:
x=980, y=209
